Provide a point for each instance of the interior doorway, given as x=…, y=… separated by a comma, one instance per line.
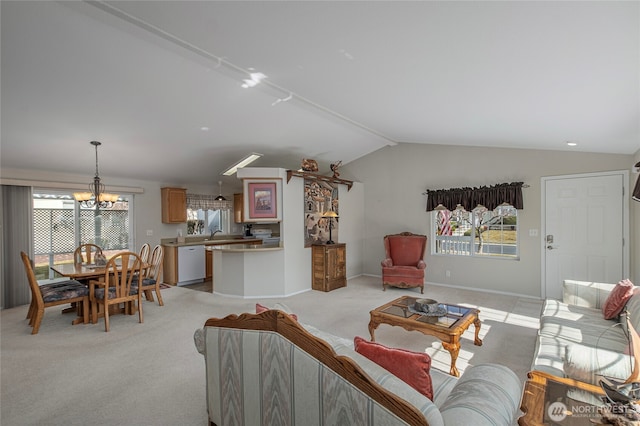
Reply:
x=584, y=229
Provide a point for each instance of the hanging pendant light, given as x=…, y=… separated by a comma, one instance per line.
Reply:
x=221, y=203
x=220, y=197
x=96, y=197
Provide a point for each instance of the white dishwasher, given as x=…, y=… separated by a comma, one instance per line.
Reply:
x=191, y=264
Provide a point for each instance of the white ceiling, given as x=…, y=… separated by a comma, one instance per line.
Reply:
x=145, y=77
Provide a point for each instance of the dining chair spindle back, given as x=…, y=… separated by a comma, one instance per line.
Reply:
x=117, y=286
x=86, y=253
x=53, y=294
x=144, y=252
x=153, y=279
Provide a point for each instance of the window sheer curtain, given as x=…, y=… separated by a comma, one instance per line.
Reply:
x=16, y=205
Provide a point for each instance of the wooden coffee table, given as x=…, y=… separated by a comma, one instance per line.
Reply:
x=448, y=327
x=543, y=389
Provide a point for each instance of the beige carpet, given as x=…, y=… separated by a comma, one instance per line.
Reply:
x=151, y=374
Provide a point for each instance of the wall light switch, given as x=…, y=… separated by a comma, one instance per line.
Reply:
x=149, y=232
x=533, y=232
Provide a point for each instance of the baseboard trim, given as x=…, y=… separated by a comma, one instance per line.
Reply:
x=278, y=296
x=460, y=287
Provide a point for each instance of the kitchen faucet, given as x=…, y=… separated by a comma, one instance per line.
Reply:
x=214, y=233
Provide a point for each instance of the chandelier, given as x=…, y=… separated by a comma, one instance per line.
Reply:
x=96, y=197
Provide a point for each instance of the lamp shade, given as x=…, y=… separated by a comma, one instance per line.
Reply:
x=330, y=213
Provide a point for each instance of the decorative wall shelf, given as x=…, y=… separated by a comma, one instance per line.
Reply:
x=313, y=176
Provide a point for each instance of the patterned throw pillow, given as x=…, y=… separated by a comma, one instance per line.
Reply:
x=410, y=367
x=618, y=297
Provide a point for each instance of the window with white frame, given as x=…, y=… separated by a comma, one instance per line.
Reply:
x=480, y=232
x=60, y=224
x=205, y=222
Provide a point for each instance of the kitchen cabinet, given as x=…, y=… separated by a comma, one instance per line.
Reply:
x=191, y=264
x=174, y=205
x=328, y=266
x=238, y=208
x=208, y=265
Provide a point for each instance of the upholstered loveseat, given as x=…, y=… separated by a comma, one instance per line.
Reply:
x=268, y=369
x=576, y=340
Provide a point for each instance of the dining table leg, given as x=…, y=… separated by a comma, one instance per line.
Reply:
x=82, y=312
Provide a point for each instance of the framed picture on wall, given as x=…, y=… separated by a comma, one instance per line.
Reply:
x=262, y=200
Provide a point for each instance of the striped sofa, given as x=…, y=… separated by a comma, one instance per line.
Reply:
x=267, y=369
x=574, y=339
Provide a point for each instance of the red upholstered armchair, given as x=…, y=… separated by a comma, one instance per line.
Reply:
x=404, y=265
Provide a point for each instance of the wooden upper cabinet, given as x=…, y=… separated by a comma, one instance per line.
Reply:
x=238, y=206
x=174, y=205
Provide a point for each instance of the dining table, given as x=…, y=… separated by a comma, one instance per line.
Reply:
x=79, y=271
x=84, y=273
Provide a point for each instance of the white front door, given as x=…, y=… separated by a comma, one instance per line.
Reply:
x=584, y=227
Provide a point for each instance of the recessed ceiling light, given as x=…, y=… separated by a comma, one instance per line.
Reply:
x=204, y=128
x=242, y=163
x=571, y=143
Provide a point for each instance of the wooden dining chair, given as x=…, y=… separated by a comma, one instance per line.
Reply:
x=53, y=294
x=86, y=253
x=153, y=277
x=144, y=252
x=115, y=287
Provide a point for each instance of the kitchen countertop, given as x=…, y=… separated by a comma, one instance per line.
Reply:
x=244, y=247
x=208, y=242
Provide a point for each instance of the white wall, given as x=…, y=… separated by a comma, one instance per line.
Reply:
x=395, y=178
x=297, y=257
x=387, y=198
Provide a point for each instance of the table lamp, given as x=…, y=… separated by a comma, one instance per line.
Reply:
x=330, y=214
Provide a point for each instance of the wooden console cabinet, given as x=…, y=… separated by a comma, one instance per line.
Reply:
x=328, y=266
x=174, y=205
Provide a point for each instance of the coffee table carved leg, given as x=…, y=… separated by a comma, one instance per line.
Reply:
x=454, y=349
x=477, y=341
x=372, y=328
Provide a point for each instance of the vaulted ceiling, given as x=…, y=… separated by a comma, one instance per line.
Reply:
x=159, y=82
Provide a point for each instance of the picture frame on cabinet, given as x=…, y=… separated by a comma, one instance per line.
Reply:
x=262, y=200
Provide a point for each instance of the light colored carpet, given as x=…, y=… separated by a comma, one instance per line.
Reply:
x=151, y=373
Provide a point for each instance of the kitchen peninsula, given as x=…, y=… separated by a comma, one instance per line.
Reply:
x=175, y=275
x=248, y=270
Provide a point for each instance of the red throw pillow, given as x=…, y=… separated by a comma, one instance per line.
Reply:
x=618, y=297
x=261, y=308
x=410, y=367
